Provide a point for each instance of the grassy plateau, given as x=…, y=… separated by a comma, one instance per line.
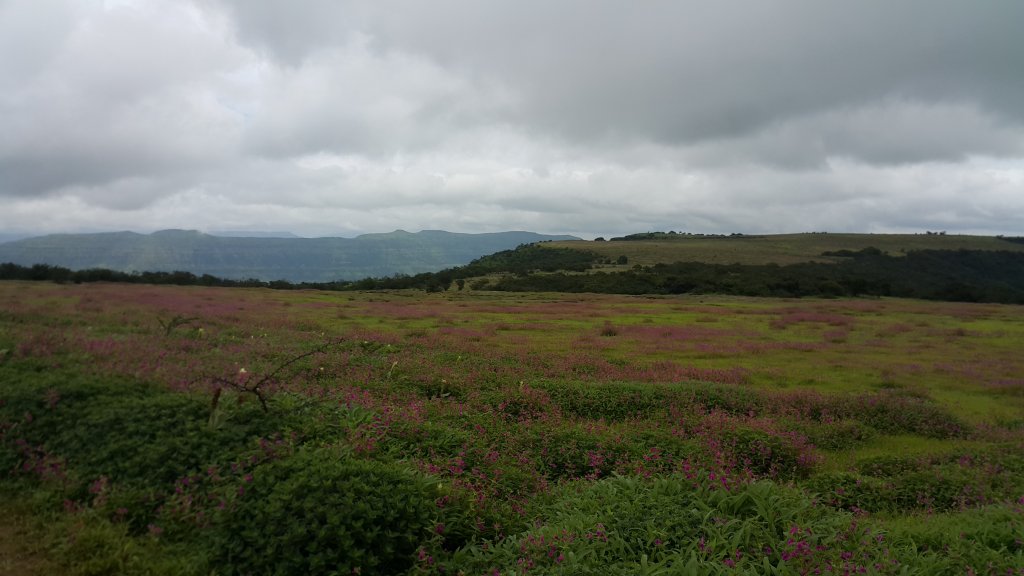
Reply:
x=775, y=248
x=198, y=430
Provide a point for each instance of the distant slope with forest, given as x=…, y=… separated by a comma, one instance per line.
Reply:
x=931, y=266
x=652, y=248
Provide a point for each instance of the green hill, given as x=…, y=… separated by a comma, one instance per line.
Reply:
x=666, y=248
x=933, y=266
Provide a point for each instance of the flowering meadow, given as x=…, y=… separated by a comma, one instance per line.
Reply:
x=189, y=430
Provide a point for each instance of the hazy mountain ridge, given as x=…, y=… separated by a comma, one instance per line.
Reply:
x=253, y=234
x=11, y=237
x=264, y=258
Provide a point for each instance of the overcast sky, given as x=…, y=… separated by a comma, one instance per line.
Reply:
x=590, y=117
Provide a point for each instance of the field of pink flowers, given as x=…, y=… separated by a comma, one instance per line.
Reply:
x=964, y=356
x=524, y=407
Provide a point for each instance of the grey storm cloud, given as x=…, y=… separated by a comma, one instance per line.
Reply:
x=682, y=71
x=580, y=116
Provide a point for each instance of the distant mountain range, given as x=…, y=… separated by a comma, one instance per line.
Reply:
x=263, y=257
x=251, y=234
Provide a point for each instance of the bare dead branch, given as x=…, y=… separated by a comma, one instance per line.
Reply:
x=178, y=320
x=256, y=388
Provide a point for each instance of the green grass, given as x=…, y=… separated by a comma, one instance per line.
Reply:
x=526, y=421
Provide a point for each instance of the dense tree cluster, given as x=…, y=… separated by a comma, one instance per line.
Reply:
x=956, y=275
x=522, y=261
x=9, y=271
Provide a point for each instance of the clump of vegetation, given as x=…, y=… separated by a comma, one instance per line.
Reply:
x=961, y=276
x=690, y=525
x=323, y=512
x=846, y=253
x=609, y=330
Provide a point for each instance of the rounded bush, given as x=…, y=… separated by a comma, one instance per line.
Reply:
x=837, y=435
x=770, y=454
x=851, y=491
x=890, y=466
x=319, y=513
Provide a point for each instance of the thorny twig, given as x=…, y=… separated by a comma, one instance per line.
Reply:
x=256, y=388
x=178, y=320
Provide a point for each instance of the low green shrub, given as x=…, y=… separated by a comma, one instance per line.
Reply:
x=892, y=413
x=888, y=466
x=895, y=484
x=126, y=449
x=769, y=454
x=984, y=540
x=726, y=398
x=999, y=527
x=90, y=545
x=675, y=525
x=837, y=435
x=125, y=430
x=612, y=402
x=429, y=438
x=572, y=453
x=317, y=512
x=850, y=491
x=521, y=402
